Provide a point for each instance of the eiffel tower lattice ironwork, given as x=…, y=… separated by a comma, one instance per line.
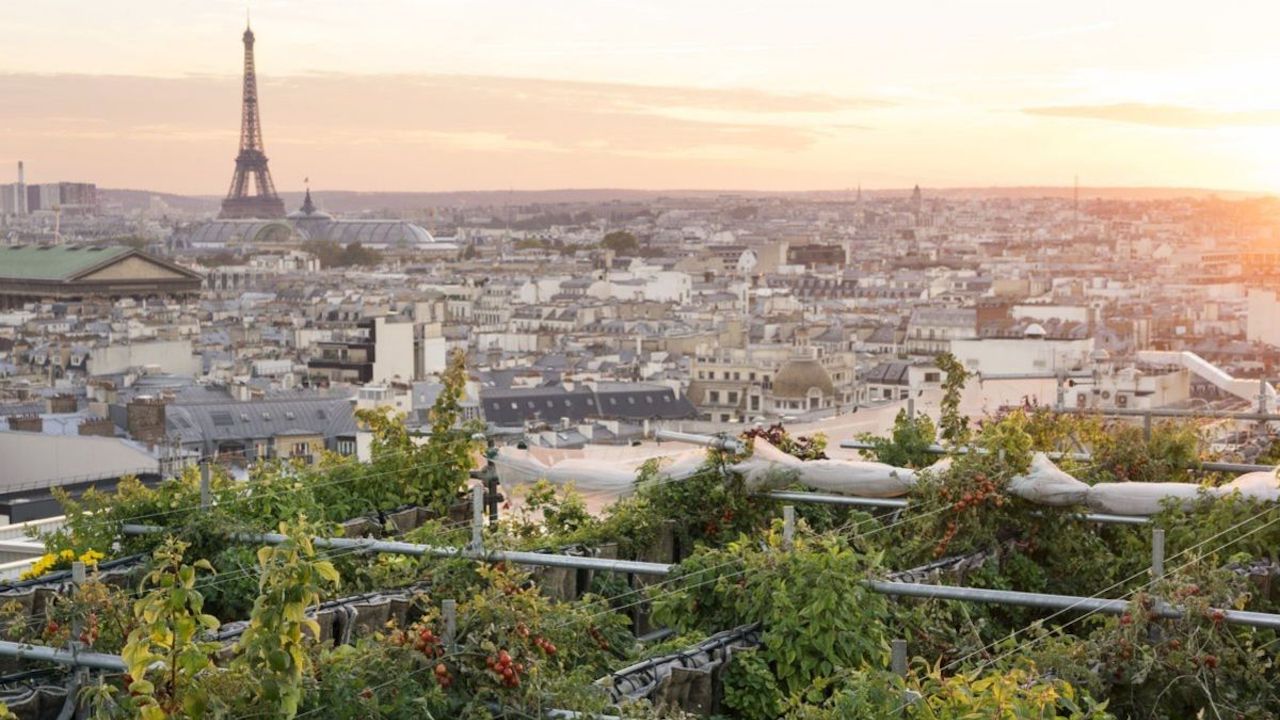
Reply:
x=251, y=163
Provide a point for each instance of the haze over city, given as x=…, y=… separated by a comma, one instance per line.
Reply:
x=716, y=95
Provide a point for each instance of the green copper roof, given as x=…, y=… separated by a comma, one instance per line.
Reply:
x=53, y=262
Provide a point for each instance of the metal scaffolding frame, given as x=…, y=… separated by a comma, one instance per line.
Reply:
x=886, y=587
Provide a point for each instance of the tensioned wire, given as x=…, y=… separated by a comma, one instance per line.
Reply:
x=647, y=589
x=1025, y=644
x=227, y=578
x=277, y=493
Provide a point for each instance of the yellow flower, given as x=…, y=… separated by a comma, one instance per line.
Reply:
x=40, y=566
x=68, y=554
x=91, y=557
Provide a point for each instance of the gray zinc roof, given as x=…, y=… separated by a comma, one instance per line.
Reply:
x=234, y=420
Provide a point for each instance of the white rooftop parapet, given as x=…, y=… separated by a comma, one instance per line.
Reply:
x=1245, y=389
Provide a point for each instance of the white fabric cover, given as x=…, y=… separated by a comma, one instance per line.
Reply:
x=1046, y=484
x=855, y=477
x=768, y=464
x=939, y=468
x=589, y=475
x=1262, y=485
x=1139, y=498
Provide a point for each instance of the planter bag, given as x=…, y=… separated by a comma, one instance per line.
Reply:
x=1263, y=486
x=769, y=467
x=1139, y=498
x=1046, y=484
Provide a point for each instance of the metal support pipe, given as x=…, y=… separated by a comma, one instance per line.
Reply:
x=898, y=656
x=998, y=597
x=205, y=482
x=825, y=499
x=898, y=503
x=935, y=449
x=449, y=609
x=92, y=660
x=1053, y=602
x=656, y=636
x=718, y=442
x=887, y=587
x=1174, y=413
x=477, y=518
x=1108, y=519
x=77, y=579
x=413, y=549
x=1157, y=553
x=553, y=714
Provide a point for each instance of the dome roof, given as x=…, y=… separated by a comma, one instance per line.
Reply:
x=233, y=232
x=1034, y=330
x=374, y=232
x=308, y=211
x=798, y=375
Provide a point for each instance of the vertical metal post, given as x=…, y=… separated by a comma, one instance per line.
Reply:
x=77, y=579
x=1146, y=426
x=1157, y=554
x=449, y=610
x=788, y=525
x=79, y=675
x=489, y=476
x=491, y=487
x=491, y=479
x=477, y=517
x=205, y=480
x=911, y=407
x=898, y=655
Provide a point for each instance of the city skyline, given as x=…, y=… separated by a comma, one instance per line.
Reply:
x=635, y=96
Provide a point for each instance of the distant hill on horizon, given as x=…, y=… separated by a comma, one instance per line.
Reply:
x=343, y=201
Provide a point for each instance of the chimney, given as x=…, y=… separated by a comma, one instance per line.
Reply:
x=145, y=420
x=26, y=423
x=100, y=427
x=61, y=403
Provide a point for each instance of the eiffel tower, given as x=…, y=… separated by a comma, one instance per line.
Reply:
x=252, y=161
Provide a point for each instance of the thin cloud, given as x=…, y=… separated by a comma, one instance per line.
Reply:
x=1082, y=29
x=474, y=112
x=1166, y=116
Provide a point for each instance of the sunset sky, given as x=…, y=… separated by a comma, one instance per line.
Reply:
x=478, y=94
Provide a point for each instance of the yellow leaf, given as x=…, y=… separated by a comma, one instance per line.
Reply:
x=327, y=571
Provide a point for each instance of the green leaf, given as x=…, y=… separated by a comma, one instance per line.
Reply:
x=142, y=687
